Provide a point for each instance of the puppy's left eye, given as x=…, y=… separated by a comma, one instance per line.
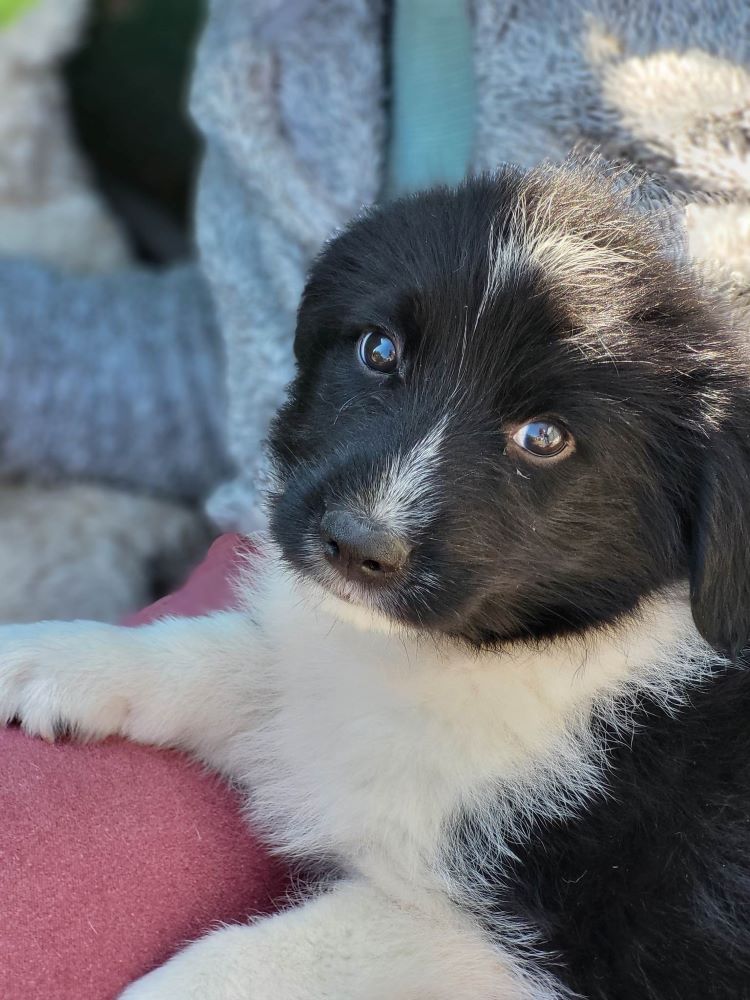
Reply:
x=379, y=352
x=542, y=439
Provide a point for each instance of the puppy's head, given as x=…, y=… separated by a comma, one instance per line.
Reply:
x=512, y=417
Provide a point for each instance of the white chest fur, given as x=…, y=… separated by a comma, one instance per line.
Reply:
x=370, y=741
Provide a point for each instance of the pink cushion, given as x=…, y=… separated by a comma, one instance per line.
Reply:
x=112, y=856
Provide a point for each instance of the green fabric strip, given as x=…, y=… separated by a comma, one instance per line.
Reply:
x=11, y=9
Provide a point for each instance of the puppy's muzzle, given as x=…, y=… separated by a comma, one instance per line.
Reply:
x=360, y=550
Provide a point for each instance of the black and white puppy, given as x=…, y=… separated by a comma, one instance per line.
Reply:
x=493, y=669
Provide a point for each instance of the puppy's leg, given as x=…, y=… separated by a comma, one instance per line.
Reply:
x=350, y=944
x=182, y=682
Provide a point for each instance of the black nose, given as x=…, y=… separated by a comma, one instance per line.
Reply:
x=359, y=549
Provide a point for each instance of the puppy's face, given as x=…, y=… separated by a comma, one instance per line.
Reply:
x=502, y=403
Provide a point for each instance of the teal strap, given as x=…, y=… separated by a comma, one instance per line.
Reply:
x=433, y=100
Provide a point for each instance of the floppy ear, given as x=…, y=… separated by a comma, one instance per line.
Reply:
x=720, y=547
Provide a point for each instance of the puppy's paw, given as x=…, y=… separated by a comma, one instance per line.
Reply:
x=56, y=676
x=153, y=987
x=184, y=980
x=229, y=964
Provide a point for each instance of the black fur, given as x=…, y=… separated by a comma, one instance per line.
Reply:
x=646, y=892
x=720, y=549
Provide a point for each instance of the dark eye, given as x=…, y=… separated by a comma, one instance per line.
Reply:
x=542, y=438
x=379, y=351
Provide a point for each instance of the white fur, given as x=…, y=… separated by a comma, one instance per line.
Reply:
x=359, y=745
x=352, y=943
x=406, y=495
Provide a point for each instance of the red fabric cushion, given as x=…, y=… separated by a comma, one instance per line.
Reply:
x=112, y=856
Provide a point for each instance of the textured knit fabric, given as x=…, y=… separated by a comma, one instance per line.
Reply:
x=116, y=377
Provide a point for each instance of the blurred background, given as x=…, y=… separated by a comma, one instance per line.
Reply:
x=128, y=83
x=98, y=164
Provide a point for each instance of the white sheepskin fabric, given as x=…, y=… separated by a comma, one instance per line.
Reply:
x=83, y=551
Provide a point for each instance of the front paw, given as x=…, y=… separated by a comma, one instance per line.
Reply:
x=182, y=980
x=225, y=965
x=52, y=679
x=153, y=987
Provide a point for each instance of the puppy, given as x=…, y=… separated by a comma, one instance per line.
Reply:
x=493, y=669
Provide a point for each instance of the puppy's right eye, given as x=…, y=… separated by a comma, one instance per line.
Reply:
x=379, y=352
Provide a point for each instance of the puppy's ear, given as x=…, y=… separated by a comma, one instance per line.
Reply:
x=720, y=547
